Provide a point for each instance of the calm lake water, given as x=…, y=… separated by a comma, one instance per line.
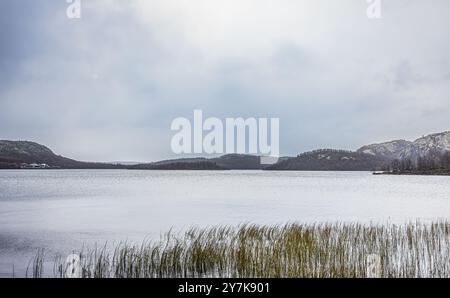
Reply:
x=63, y=210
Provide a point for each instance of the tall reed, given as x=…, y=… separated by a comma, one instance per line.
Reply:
x=293, y=250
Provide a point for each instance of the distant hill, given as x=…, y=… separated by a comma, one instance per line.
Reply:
x=373, y=157
x=330, y=160
x=367, y=158
x=389, y=150
x=179, y=165
x=225, y=162
x=401, y=149
x=239, y=162
x=15, y=153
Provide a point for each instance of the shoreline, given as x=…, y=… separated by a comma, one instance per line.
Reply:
x=413, y=174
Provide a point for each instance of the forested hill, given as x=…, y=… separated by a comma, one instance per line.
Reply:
x=18, y=154
x=331, y=160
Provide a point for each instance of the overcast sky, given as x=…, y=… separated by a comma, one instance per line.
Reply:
x=106, y=87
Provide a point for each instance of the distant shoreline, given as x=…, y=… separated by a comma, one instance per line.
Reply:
x=415, y=173
x=428, y=155
x=219, y=169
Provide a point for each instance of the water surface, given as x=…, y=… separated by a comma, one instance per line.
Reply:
x=63, y=210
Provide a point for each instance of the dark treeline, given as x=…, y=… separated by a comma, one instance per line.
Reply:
x=331, y=160
x=432, y=163
x=198, y=165
x=325, y=151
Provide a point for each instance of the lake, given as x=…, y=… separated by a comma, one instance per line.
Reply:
x=62, y=210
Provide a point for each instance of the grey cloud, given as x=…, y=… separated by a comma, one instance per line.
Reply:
x=107, y=86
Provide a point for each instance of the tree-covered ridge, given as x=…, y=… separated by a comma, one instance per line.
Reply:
x=434, y=163
x=331, y=160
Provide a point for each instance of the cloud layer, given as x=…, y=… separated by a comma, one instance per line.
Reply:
x=107, y=86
